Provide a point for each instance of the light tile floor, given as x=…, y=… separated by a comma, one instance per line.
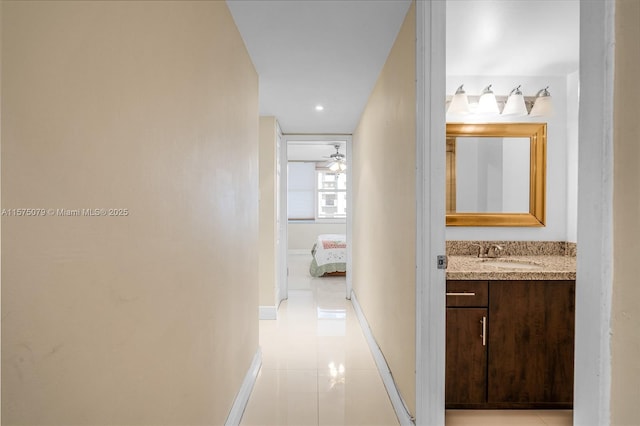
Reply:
x=509, y=417
x=317, y=368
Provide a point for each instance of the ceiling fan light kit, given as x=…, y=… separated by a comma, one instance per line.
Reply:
x=338, y=162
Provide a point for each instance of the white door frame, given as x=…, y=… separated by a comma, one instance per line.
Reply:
x=283, y=233
x=349, y=277
x=592, y=389
x=430, y=211
x=595, y=220
x=281, y=227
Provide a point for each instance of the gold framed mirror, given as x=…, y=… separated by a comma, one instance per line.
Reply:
x=496, y=174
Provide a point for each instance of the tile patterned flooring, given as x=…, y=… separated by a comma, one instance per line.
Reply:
x=317, y=368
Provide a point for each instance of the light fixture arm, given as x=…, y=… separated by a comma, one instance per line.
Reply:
x=460, y=90
x=516, y=90
x=487, y=89
x=543, y=92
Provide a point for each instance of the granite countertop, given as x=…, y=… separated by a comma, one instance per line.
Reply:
x=551, y=267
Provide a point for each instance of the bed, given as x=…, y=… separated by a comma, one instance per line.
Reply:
x=329, y=256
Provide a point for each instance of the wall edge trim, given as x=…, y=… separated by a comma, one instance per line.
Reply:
x=399, y=406
x=242, y=398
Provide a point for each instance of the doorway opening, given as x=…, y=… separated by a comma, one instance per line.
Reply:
x=594, y=229
x=471, y=66
x=315, y=197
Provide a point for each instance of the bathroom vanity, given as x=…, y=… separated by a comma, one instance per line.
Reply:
x=510, y=332
x=510, y=305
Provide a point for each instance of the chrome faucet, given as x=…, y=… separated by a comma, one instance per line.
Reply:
x=494, y=250
x=481, y=250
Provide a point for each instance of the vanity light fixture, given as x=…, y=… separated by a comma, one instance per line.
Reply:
x=459, y=103
x=487, y=103
x=515, y=103
x=542, y=105
x=319, y=108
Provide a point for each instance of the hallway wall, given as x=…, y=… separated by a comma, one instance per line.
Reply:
x=149, y=317
x=625, y=315
x=384, y=200
x=268, y=216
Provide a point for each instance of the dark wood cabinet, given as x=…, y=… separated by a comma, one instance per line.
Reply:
x=466, y=371
x=529, y=334
x=466, y=356
x=532, y=327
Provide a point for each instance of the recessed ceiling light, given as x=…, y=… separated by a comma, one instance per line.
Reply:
x=319, y=107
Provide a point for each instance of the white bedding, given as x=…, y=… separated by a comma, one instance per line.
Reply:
x=331, y=248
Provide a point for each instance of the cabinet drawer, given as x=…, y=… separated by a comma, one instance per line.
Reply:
x=462, y=293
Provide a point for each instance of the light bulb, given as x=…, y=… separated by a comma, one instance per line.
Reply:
x=515, y=103
x=459, y=103
x=543, y=105
x=487, y=103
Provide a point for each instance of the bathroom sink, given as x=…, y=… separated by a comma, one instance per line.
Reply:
x=512, y=264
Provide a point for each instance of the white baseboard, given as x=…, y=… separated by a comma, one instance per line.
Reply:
x=299, y=251
x=404, y=417
x=267, y=312
x=242, y=398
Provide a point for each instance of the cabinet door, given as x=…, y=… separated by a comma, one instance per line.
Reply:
x=531, y=342
x=466, y=357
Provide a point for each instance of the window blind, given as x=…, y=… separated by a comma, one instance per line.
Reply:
x=301, y=181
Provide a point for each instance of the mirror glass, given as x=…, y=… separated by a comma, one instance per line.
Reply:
x=496, y=174
x=492, y=175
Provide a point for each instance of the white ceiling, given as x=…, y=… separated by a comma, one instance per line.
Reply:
x=330, y=52
x=317, y=52
x=512, y=37
x=313, y=151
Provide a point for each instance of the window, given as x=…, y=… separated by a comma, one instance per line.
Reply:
x=331, y=195
x=315, y=194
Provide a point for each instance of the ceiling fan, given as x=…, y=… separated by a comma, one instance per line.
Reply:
x=337, y=156
x=337, y=161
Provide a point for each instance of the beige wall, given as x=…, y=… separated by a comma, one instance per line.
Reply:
x=149, y=318
x=625, y=339
x=384, y=210
x=268, y=197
